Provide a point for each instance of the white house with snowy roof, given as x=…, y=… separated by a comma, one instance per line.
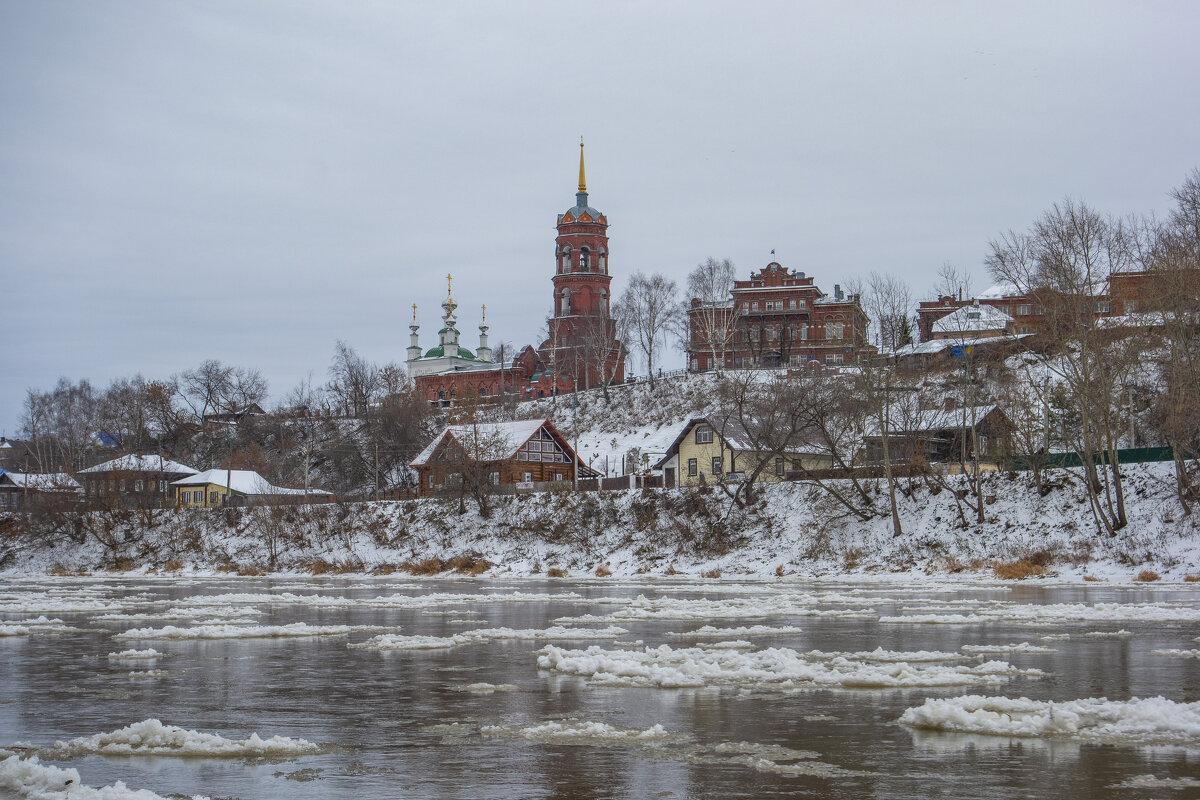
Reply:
x=974, y=321
x=215, y=487
x=133, y=480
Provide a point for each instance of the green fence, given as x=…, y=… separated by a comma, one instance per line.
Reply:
x=1129, y=455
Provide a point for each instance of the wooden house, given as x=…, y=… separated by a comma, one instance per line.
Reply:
x=709, y=451
x=520, y=455
x=133, y=481
x=22, y=490
x=221, y=487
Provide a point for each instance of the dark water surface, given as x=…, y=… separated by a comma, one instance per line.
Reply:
x=380, y=711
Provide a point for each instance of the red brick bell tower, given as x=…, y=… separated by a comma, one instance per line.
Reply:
x=582, y=349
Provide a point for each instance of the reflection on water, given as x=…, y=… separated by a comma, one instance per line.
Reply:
x=478, y=719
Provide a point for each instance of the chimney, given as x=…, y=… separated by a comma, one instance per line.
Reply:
x=837, y=292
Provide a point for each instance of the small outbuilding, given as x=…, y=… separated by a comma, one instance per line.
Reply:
x=222, y=487
x=19, y=490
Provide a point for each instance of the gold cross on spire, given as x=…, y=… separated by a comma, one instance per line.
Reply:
x=414, y=312
x=448, y=293
x=483, y=310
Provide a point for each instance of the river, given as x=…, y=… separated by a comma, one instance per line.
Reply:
x=434, y=689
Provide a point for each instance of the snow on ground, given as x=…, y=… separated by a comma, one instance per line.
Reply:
x=152, y=737
x=1150, y=721
x=30, y=779
x=391, y=641
x=772, y=668
x=795, y=528
x=295, y=629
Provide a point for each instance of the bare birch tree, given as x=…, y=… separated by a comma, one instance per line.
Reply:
x=710, y=312
x=645, y=313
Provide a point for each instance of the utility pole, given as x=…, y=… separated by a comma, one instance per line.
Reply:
x=307, y=455
x=377, y=470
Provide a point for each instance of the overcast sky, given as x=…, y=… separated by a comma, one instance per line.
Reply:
x=252, y=181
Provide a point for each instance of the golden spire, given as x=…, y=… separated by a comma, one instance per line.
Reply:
x=414, y=312
x=483, y=312
x=582, y=180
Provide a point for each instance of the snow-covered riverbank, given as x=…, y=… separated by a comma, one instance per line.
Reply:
x=792, y=529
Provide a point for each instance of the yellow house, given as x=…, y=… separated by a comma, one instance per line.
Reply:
x=212, y=488
x=707, y=451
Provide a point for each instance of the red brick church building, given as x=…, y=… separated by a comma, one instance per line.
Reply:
x=581, y=349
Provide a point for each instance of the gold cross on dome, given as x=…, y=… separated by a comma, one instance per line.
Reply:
x=483, y=308
x=447, y=284
x=414, y=312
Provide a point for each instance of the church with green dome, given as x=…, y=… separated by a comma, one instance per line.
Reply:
x=448, y=354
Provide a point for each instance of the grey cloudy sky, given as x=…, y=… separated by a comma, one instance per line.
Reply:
x=251, y=181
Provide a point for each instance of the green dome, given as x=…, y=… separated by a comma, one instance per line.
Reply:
x=438, y=352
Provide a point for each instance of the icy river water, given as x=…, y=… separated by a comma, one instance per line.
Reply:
x=389, y=687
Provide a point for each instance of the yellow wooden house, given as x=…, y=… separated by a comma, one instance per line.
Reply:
x=711, y=451
x=220, y=487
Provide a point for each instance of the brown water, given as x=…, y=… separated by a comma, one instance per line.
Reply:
x=380, y=712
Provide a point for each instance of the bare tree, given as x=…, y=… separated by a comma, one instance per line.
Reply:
x=645, y=313
x=953, y=282
x=214, y=388
x=354, y=383
x=710, y=313
x=1065, y=260
x=888, y=302
x=60, y=426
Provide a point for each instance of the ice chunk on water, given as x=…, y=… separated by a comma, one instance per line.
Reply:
x=296, y=629
x=580, y=732
x=1023, y=647
x=772, y=668
x=30, y=779
x=1154, y=720
x=152, y=737
x=136, y=655
x=392, y=641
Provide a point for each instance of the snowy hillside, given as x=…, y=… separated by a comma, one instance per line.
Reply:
x=792, y=529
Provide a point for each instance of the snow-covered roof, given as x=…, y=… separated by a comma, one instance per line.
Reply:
x=242, y=481
x=501, y=439
x=999, y=291
x=41, y=482
x=972, y=318
x=140, y=463
x=938, y=345
x=735, y=436
x=930, y=420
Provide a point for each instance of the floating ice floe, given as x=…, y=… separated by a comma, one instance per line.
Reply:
x=295, y=629
x=151, y=737
x=1151, y=782
x=708, y=631
x=14, y=630
x=1121, y=634
x=772, y=668
x=1154, y=720
x=894, y=656
x=30, y=779
x=147, y=674
x=182, y=612
x=772, y=759
x=1054, y=613
x=393, y=641
x=136, y=655
x=1023, y=647
x=580, y=732
x=1176, y=653
x=642, y=608
x=485, y=688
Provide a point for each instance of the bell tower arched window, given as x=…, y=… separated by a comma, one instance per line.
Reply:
x=584, y=257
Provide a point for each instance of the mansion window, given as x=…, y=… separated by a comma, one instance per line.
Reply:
x=1104, y=307
x=774, y=305
x=754, y=306
x=494, y=478
x=704, y=434
x=804, y=333
x=693, y=468
x=835, y=358
x=833, y=330
x=1024, y=310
